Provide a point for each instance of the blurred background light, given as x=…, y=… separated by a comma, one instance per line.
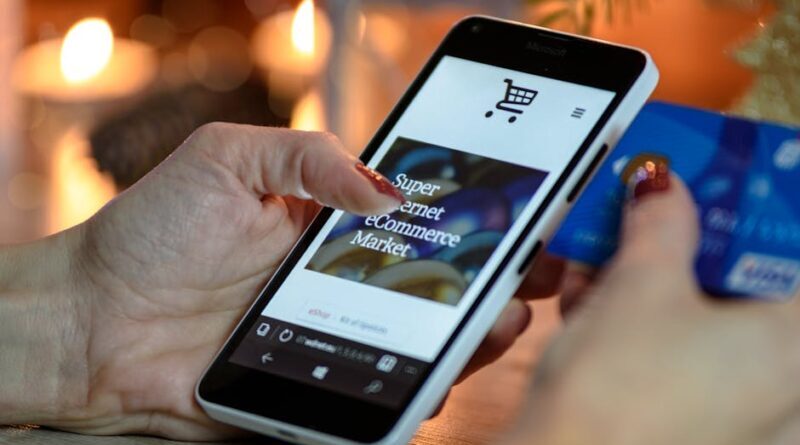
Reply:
x=98, y=93
x=86, y=50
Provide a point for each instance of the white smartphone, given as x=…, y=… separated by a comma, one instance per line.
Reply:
x=363, y=329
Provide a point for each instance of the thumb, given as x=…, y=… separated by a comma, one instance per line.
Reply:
x=276, y=161
x=660, y=227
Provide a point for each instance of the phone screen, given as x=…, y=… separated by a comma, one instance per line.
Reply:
x=372, y=301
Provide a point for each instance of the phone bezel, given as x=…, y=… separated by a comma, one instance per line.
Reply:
x=582, y=61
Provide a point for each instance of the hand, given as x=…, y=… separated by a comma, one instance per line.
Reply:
x=648, y=359
x=164, y=271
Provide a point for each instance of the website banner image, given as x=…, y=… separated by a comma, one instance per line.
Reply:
x=459, y=207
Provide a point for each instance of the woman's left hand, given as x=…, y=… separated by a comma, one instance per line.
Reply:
x=159, y=277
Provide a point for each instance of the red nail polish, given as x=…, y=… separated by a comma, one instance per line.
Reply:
x=650, y=177
x=381, y=184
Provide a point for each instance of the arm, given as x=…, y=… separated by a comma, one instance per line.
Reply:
x=42, y=363
x=106, y=328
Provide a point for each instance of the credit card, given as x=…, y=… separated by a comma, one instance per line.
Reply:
x=744, y=176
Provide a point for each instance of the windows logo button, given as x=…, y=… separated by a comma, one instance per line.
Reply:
x=386, y=363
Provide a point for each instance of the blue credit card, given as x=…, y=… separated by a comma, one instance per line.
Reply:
x=744, y=176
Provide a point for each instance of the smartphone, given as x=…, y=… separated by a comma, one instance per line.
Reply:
x=362, y=330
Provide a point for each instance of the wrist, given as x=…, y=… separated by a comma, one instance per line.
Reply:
x=42, y=322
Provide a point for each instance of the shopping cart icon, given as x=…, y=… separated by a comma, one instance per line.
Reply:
x=515, y=97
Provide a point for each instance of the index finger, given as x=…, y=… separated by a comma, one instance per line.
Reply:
x=544, y=279
x=303, y=164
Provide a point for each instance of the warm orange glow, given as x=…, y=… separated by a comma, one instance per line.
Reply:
x=78, y=188
x=86, y=50
x=308, y=114
x=88, y=65
x=386, y=34
x=303, y=28
x=362, y=26
x=292, y=46
x=697, y=65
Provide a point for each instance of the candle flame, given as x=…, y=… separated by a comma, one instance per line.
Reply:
x=86, y=50
x=303, y=28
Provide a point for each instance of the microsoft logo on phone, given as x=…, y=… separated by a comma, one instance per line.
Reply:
x=516, y=97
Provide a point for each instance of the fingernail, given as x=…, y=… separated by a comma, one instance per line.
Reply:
x=381, y=184
x=303, y=194
x=650, y=177
x=528, y=318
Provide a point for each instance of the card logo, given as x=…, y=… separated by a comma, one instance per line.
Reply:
x=764, y=275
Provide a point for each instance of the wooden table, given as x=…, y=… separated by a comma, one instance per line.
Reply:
x=477, y=412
